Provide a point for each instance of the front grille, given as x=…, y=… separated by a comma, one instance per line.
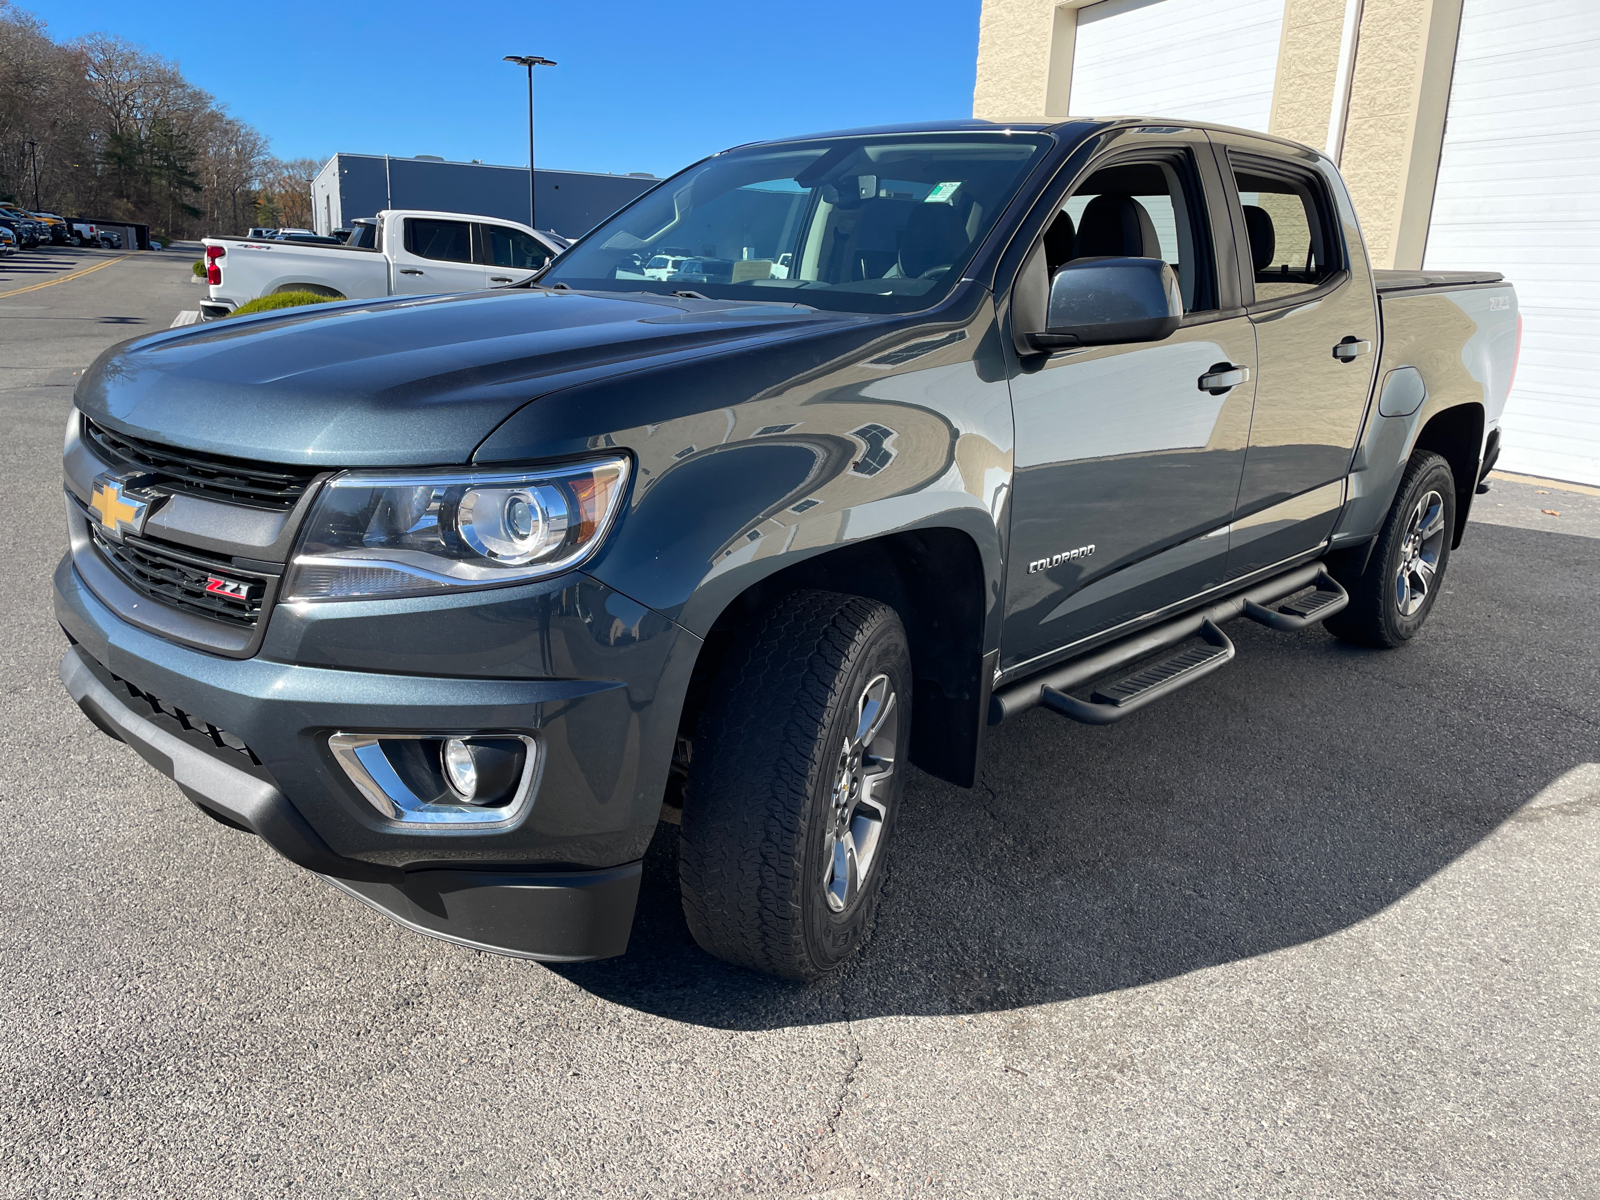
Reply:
x=233, y=480
x=180, y=579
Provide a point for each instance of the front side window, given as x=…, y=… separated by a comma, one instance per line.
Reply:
x=1140, y=210
x=444, y=241
x=507, y=247
x=865, y=224
x=1292, y=246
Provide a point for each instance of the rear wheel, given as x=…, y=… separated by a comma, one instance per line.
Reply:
x=1392, y=597
x=795, y=784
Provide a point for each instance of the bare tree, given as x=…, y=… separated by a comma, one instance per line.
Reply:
x=114, y=130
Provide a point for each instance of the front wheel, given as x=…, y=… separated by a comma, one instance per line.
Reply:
x=795, y=783
x=1392, y=597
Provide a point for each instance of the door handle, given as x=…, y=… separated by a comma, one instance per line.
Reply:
x=1350, y=349
x=409, y=271
x=1223, y=377
x=499, y=279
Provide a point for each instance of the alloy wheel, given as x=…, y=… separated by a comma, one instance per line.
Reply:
x=1419, y=554
x=860, y=803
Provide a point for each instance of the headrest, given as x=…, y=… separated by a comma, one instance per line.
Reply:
x=934, y=236
x=1117, y=225
x=1060, y=241
x=1263, y=241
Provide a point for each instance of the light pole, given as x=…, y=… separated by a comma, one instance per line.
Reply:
x=34, y=149
x=530, y=61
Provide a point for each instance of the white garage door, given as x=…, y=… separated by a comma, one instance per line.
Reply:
x=1519, y=192
x=1200, y=60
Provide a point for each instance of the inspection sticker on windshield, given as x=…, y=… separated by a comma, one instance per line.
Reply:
x=942, y=193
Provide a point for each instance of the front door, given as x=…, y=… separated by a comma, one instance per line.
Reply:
x=435, y=255
x=1127, y=468
x=1305, y=279
x=510, y=255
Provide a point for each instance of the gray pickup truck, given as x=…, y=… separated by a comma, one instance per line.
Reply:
x=452, y=600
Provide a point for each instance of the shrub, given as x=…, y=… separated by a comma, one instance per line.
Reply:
x=200, y=267
x=279, y=300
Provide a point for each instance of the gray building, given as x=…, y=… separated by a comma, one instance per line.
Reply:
x=569, y=202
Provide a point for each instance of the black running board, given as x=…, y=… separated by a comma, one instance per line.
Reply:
x=1303, y=611
x=1111, y=703
x=1019, y=697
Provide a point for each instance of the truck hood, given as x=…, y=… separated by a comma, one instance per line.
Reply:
x=402, y=382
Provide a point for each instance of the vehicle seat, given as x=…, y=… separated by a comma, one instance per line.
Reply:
x=1263, y=239
x=1119, y=226
x=934, y=237
x=1060, y=241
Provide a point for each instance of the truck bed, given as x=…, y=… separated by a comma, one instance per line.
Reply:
x=1411, y=281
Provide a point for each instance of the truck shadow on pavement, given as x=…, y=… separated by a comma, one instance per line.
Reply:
x=1308, y=786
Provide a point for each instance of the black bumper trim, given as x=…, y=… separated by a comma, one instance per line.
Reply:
x=572, y=916
x=242, y=798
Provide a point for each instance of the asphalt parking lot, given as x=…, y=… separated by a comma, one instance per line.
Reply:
x=1328, y=925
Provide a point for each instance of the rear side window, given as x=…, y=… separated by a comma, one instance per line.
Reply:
x=1294, y=247
x=446, y=241
x=503, y=246
x=1140, y=210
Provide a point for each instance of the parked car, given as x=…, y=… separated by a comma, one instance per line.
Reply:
x=13, y=230
x=54, y=225
x=663, y=266
x=83, y=233
x=257, y=231
x=411, y=253
x=30, y=231
x=704, y=270
x=452, y=602
x=110, y=239
x=154, y=245
x=8, y=240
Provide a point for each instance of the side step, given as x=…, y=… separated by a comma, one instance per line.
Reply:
x=1303, y=611
x=1146, y=685
x=1275, y=602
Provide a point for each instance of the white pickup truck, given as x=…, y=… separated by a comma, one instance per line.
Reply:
x=403, y=252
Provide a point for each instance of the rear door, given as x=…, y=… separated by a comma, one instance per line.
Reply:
x=509, y=255
x=1127, y=469
x=1309, y=292
x=434, y=254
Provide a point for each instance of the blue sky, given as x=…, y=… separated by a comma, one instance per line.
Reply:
x=641, y=86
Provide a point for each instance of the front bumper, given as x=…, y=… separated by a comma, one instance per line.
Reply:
x=557, y=882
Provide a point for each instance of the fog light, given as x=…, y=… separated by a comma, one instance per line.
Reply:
x=460, y=770
x=440, y=778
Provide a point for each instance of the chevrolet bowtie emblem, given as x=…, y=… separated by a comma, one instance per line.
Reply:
x=118, y=506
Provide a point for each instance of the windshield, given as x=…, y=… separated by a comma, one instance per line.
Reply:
x=863, y=224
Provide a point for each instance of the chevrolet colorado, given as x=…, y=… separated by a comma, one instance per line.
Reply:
x=452, y=599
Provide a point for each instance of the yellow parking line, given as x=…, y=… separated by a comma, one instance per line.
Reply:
x=34, y=287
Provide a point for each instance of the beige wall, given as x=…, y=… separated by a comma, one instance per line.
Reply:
x=1308, y=70
x=1393, y=126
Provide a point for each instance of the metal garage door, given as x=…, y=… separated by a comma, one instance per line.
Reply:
x=1205, y=60
x=1519, y=192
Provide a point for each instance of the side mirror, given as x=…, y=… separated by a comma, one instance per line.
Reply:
x=1102, y=301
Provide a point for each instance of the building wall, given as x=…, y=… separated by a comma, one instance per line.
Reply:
x=1381, y=117
x=569, y=202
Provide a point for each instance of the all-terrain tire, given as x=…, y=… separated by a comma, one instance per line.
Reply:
x=767, y=816
x=1412, y=552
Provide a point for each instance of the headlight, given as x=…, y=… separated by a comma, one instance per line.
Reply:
x=393, y=534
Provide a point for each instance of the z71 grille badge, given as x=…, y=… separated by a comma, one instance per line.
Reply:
x=231, y=589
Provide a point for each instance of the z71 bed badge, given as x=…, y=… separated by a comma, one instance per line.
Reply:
x=1055, y=560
